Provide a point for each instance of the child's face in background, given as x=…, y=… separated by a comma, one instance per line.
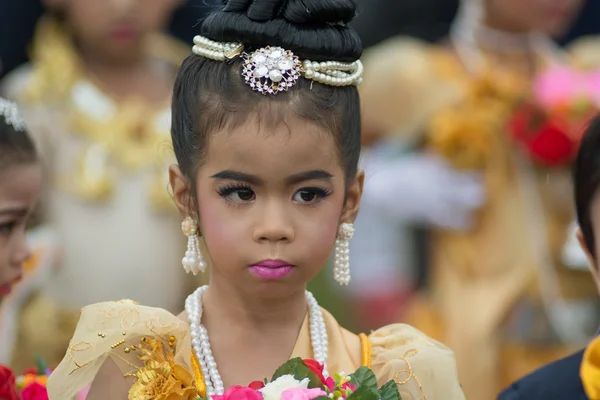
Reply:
x=550, y=16
x=20, y=187
x=114, y=29
x=272, y=193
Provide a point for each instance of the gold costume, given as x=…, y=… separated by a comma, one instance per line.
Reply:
x=422, y=367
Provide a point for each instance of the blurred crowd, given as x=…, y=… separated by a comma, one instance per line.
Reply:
x=466, y=228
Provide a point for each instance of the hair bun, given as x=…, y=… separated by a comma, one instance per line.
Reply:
x=312, y=29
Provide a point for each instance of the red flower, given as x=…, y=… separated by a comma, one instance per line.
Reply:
x=547, y=141
x=256, y=385
x=239, y=393
x=316, y=368
x=8, y=390
x=34, y=391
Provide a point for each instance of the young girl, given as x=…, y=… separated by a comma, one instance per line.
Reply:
x=266, y=130
x=96, y=96
x=20, y=185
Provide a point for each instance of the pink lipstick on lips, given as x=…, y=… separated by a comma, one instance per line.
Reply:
x=271, y=269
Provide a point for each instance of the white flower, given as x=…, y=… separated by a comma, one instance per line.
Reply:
x=273, y=390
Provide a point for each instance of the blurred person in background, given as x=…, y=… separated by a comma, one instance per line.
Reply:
x=499, y=294
x=96, y=97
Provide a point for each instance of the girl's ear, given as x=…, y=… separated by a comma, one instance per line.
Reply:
x=181, y=191
x=352, y=205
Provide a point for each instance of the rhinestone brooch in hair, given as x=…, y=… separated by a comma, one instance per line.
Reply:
x=271, y=70
x=10, y=112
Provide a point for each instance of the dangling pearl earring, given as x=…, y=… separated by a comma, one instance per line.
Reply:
x=341, y=262
x=193, y=261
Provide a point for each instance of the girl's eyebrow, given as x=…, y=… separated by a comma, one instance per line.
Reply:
x=14, y=211
x=316, y=174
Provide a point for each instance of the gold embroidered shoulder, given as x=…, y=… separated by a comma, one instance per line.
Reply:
x=154, y=347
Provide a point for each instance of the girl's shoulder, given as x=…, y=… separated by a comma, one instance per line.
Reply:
x=421, y=366
x=135, y=339
x=585, y=52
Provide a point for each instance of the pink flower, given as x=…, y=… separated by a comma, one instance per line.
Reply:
x=82, y=395
x=348, y=385
x=330, y=383
x=239, y=393
x=302, y=394
x=34, y=391
x=558, y=85
x=593, y=86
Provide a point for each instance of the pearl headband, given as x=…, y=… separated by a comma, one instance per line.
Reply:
x=271, y=70
x=10, y=112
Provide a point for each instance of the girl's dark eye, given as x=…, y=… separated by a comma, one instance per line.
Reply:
x=243, y=195
x=7, y=227
x=237, y=193
x=310, y=195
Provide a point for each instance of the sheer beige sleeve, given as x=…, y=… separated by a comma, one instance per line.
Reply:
x=422, y=367
x=586, y=52
x=135, y=339
x=401, y=88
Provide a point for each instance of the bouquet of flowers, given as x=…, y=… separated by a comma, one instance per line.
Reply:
x=549, y=125
x=29, y=386
x=300, y=379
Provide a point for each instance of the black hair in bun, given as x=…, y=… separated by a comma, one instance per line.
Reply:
x=313, y=29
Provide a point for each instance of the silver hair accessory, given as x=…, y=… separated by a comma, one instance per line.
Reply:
x=10, y=112
x=271, y=70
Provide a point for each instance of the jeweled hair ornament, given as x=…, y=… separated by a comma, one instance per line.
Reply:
x=270, y=70
x=10, y=112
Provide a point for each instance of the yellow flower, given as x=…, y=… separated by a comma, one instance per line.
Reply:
x=590, y=370
x=160, y=378
x=465, y=133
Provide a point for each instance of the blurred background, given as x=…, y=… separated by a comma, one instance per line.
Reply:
x=455, y=232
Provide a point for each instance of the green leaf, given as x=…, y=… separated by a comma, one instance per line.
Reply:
x=364, y=378
x=389, y=391
x=300, y=371
x=41, y=365
x=363, y=393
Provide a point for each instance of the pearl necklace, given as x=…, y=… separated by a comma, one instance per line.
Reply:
x=468, y=33
x=201, y=342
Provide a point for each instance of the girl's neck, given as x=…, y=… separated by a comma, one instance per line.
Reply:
x=137, y=76
x=225, y=302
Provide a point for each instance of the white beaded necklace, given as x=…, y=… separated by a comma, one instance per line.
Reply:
x=201, y=342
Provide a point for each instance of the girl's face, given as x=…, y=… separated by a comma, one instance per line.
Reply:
x=20, y=187
x=114, y=28
x=270, y=201
x=551, y=16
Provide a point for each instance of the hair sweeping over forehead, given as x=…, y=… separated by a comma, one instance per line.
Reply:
x=16, y=146
x=211, y=96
